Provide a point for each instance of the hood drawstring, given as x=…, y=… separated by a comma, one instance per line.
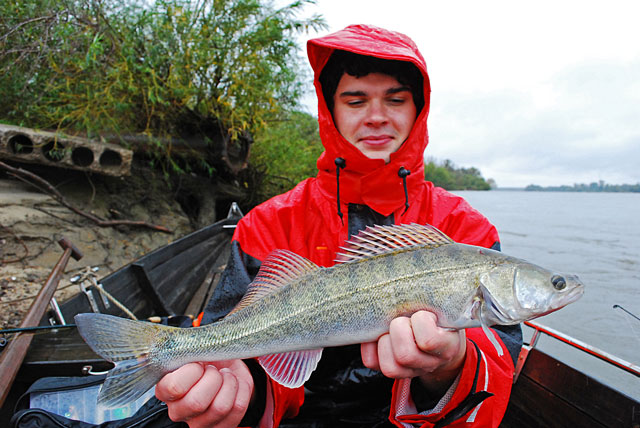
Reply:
x=340, y=164
x=403, y=173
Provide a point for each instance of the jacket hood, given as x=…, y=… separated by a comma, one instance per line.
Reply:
x=363, y=180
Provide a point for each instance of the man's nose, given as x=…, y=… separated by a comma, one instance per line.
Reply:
x=376, y=114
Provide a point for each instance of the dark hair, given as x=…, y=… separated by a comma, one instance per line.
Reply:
x=357, y=65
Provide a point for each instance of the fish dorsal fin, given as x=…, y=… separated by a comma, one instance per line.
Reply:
x=278, y=269
x=384, y=239
x=291, y=369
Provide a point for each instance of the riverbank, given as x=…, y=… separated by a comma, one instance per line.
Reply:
x=32, y=222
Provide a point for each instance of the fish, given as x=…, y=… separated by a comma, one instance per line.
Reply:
x=293, y=309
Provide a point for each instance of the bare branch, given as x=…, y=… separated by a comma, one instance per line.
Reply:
x=26, y=250
x=45, y=186
x=28, y=21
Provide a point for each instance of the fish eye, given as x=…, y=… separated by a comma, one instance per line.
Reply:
x=558, y=282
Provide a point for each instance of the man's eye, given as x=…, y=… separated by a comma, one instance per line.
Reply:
x=355, y=102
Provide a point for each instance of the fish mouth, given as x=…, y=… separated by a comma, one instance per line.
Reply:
x=573, y=295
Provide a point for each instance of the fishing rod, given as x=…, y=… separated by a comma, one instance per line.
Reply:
x=578, y=344
x=34, y=329
x=12, y=357
x=4, y=341
x=40, y=328
x=620, y=307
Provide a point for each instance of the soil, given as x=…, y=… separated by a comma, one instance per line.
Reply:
x=32, y=222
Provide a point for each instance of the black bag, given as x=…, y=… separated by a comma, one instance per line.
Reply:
x=70, y=402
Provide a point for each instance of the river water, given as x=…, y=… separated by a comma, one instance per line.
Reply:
x=593, y=235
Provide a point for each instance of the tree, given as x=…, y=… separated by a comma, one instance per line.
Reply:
x=182, y=68
x=284, y=153
x=449, y=177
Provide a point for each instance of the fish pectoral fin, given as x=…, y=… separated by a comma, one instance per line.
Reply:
x=477, y=308
x=492, y=338
x=291, y=369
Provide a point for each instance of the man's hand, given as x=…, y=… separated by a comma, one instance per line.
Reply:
x=207, y=394
x=417, y=347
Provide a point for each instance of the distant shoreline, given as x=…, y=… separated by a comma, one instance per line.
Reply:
x=563, y=189
x=599, y=187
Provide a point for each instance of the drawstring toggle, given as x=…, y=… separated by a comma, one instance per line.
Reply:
x=403, y=173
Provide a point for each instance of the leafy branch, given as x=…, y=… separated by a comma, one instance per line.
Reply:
x=187, y=69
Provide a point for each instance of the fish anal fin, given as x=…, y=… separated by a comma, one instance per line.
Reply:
x=279, y=269
x=385, y=239
x=291, y=369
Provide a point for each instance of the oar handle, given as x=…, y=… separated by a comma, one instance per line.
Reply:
x=12, y=357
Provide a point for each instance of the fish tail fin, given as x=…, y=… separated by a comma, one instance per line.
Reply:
x=128, y=344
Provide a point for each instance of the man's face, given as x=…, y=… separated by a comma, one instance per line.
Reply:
x=375, y=113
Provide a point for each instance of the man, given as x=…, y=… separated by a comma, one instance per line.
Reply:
x=373, y=91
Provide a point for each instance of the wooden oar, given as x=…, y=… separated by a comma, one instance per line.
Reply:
x=12, y=357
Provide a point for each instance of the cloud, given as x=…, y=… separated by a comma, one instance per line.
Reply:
x=545, y=93
x=580, y=125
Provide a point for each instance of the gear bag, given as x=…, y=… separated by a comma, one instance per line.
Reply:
x=70, y=402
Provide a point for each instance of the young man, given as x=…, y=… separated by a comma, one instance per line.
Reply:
x=373, y=101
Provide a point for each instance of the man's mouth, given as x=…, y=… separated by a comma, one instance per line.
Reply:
x=376, y=140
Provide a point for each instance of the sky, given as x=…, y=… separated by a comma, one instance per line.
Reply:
x=537, y=92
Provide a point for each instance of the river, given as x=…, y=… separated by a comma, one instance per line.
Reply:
x=593, y=235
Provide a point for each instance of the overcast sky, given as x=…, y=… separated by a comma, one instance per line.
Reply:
x=544, y=92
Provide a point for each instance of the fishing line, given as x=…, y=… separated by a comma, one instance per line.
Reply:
x=631, y=326
x=37, y=329
x=620, y=307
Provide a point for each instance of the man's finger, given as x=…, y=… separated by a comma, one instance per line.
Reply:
x=369, y=353
x=441, y=343
x=176, y=384
x=388, y=364
x=403, y=344
x=199, y=398
x=240, y=405
x=226, y=397
x=427, y=334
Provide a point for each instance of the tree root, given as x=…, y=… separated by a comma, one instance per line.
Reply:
x=44, y=186
x=26, y=250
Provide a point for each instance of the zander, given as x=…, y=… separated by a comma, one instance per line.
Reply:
x=294, y=308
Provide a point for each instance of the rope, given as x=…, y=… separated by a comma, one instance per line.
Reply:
x=112, y=299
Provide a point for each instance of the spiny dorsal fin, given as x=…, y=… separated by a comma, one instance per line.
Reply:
x=384, y=239
x=278, y=269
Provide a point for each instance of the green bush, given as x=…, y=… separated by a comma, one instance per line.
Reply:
x=286, y=151
x=147, y=67
x=447, y=176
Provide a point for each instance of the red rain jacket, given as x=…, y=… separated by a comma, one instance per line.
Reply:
x=305, y=221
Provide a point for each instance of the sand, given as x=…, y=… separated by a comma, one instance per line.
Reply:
x=33, y=222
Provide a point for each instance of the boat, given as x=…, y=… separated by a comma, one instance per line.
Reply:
x=550, y=393
x=179, y=279
x=174, y=280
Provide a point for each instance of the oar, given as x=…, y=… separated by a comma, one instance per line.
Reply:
x=12, y=357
